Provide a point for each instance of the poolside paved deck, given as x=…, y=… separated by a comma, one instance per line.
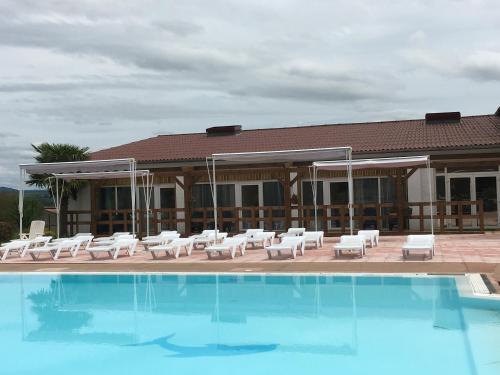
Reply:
x=454, y=254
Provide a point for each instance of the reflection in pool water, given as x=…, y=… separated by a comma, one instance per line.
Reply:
x=250, y=323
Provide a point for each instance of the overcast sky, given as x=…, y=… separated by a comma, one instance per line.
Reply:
x=100, y=73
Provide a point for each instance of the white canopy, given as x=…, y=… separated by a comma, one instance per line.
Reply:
x=284, y=156
x=92, y=169
x=394, y=162
x=99, y=175
x=281, y=156
x=340, y=165
x=78, y=166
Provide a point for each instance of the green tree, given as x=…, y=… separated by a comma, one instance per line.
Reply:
x=53, y=153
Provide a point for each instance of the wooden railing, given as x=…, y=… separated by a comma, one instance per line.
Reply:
x=414, y=217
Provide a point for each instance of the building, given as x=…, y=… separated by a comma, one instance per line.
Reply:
x=465, y=160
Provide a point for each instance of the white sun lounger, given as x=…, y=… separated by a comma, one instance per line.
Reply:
x=314, y=237
x=173, y=248
x=350, y=243
x=419, y=243
x=371, y=236
x=231, y=245
x=127, y=243
x=82, y=239
x=17, y=246
x=22, y=246
x=293, y=232
x=161, y=239
x=292, y=244
x=113, y=237
x=207, y=237
x=37, y=228
x=54, y=249
x=258, y=236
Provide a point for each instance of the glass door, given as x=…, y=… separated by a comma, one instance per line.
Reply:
x=460, y=190
x=274, y=196
x=249, y=200
x=486, y=190
x=308, y=200
x=339, y=195
x=167, y=207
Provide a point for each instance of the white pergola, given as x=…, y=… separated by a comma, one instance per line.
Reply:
x=87, y=170
x=283, y=156
x=395, y=162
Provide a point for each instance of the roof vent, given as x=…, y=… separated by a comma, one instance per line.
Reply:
x=442, y=117
x=215, y=131
x=497, y=113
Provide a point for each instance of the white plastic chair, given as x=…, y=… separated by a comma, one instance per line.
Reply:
x=37, y=228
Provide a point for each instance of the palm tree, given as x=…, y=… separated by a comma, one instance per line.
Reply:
x=53, y=153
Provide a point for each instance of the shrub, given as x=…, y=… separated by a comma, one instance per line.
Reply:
x=5, y=231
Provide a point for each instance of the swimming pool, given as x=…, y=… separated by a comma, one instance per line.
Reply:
x=244, y=324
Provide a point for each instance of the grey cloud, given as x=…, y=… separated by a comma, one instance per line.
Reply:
x=102, y=73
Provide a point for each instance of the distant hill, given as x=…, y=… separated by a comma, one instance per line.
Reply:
x=39, y=195
x=4, y=189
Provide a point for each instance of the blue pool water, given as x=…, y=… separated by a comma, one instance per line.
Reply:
x=230, y=324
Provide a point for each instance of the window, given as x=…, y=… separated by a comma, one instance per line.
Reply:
x=167, y=201
x=440, y=188
x=114, y=198
x=202, y=198
x=366, y=190
x=339, y=195
x=307, y=193
x=274, y=196
x=308, y=200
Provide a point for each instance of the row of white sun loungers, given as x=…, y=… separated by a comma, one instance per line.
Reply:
x=169, y=242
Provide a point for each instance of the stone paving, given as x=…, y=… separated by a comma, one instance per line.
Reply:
x=454, y=254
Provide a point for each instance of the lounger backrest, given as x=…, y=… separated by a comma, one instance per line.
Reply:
x=420, y=239
x=82, y=234
x=118, y=234
x=296, y=231
x=292, y=240
x=310, y=234
x=252, y=232
x=124, y=237
x=352, y=240
x=168, y=232
x=37, y=228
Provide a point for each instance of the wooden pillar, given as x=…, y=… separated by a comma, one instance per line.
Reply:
x=400, y=201
x=188, y=188
x=287, y=194
x=94, y=197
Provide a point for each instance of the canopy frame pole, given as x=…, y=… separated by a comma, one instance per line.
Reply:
x=315, y=196
x=430, y=193
x=350, y=183
x=132, y=192
x=214, y=193
x=20, y=203
x=58, y=211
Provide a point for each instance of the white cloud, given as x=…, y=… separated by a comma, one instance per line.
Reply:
x=101, y=73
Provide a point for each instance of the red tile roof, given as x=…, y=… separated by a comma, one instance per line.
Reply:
x=372, y=137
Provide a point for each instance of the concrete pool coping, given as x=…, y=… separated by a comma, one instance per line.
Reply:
x=256, y=267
